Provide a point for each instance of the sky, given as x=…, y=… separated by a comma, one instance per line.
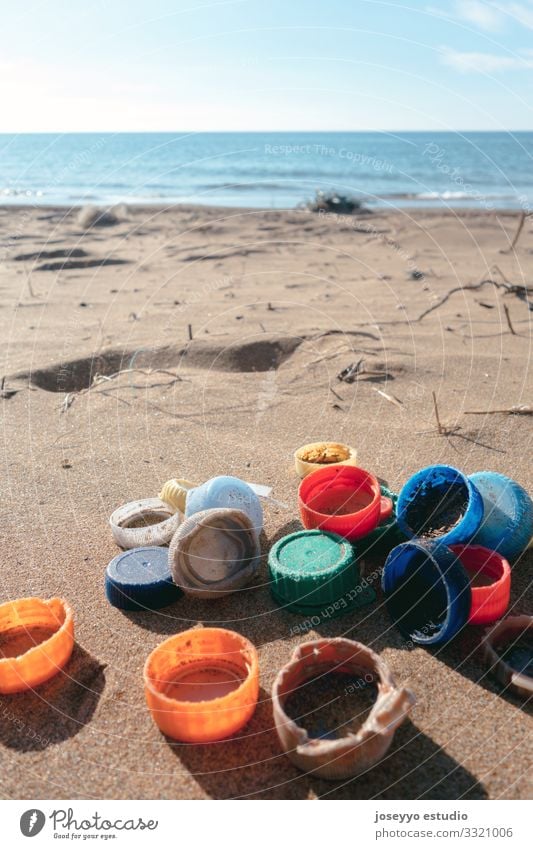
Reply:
x=193, y=65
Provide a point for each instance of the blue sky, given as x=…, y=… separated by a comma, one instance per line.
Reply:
x=142, y=65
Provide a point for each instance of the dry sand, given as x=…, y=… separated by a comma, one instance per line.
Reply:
x=298, y=297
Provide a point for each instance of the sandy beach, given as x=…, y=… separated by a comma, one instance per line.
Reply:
x=105, y=397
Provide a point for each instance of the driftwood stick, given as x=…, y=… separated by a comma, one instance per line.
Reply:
x=517, y=410
x=508, y=317
x=390, y=398
x=509, y=288
x=436, y=409
x=519, y=229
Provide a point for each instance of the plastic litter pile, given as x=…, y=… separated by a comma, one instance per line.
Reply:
x=447, y=541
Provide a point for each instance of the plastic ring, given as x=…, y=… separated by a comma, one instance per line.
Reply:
x=140, y=579
x=214, y=553
x=440, y=502
x=316, y=573
x=510, y=663
x=159, y=532
x=347, y=756
x=202, y=685
x=427, y=591
x=344, y=500
x=29, y=663
x=489, y=601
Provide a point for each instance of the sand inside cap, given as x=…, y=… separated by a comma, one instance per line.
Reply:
x=340, y=501
x=18, y=641
x=205, y=682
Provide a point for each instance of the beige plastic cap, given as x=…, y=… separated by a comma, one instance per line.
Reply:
x=175, y=491
x=315, y=455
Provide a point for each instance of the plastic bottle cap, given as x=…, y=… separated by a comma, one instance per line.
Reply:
x=345, y=500
x=440, y=502
x=202, y=685
x=226, y=491
x=36, y=641
x=310, y=570
x=507, y=525
x=316, y=455
x=214, y=552
x=175, y=491
x=140, y=579
x=490, y=577
x=427, y=591
x=508, y=651
x=349, y=755
x=149, y=521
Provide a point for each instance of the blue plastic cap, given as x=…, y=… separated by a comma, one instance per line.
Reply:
x=226, y=491
x=507, y=525
x=440, y=502
x=427, y=591
x=140, y=579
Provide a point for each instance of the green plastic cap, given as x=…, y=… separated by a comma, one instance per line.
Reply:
x=312, y=570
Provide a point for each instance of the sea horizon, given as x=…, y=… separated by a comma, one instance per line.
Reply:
x=479, y=169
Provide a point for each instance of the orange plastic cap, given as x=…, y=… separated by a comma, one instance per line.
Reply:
x=202, y=685
x=36, y=641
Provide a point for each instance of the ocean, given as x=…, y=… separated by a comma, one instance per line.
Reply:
x=269, y=170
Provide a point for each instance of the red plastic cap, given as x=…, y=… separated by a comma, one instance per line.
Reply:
x=490, y=576
x=345, y=500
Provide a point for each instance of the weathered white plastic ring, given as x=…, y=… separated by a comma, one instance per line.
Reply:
x=158, y=533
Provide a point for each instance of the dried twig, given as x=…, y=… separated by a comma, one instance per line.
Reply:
x=336, y=394
x=436, y=409
x=350, y=373
x=6, y=393
x=391, y=398
x=67, y=402
x=189, y=328
x=508, y=317
x=98, y=379
x=517, y=410
x=509, y=288
x=520, y=227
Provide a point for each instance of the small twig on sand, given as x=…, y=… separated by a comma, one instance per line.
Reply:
x=336, y=394
x=517, y=410
x=189, y=327
x=391, y=398
x=442, y=429
x=28, y=283
x=508, y=317
x=68, y=400
x=520, y=227
x=6, y=393
x=436, y=409
x=350, y=373
x=508, y=287
x=99, y=379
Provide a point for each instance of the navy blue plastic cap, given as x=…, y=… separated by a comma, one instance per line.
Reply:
x=427, y=591
x=140, y=579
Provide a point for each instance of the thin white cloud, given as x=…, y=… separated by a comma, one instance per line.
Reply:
x=523, y=13
x=483, y=15
x=487, y=63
